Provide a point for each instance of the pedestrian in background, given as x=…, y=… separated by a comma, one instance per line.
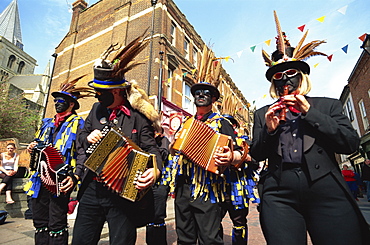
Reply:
x=303, y=189
x=8, y=168
x=349, y=177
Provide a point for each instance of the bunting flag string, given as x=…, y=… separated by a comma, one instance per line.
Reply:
x=302, y=28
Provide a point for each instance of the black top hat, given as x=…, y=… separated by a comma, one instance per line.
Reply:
x=104, y=79
x=205, y=85
x=286, y=57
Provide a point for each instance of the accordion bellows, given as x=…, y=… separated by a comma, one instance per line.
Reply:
x=49, y=162
x=118, y=161
x=198, y=142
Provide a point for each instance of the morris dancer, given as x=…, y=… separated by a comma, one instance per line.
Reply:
x=124, y=105
x=49, y=212
x=303, y=189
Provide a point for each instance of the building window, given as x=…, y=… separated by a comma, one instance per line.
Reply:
x=363, y=114
x=187, y=98
x=11, y=61
x=368, y=92
x=195, y=57
x=169, y=83
x=349, y=110
x=20, y=67
x=186, y=48
x=173, y=33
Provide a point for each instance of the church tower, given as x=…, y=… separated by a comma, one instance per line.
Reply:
x=13, y=60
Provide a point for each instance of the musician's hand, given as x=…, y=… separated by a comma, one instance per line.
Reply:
x=94, y=136
x=67, y=185
x=147, y=179
x=272, y=120
x=298, y=101
x=31, y=146
x=223, y=158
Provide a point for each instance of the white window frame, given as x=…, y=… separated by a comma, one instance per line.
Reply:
x=187, y=98
x=365, y=120
x=169, y=84
x=173, y=33
x=349, y=111
x=186, y=47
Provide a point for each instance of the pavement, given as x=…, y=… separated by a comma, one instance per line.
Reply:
x=17, y=231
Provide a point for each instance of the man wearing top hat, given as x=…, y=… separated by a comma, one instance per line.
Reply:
x=198, y=191
x=303, y=189
x=49, y=212
x=121, y=104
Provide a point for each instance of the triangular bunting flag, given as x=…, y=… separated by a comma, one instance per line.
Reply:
x=315, y=65
x=193, y=71
x=343, y=10
x=345, y=48
x=253, y=48
x=227, y=58
x=169, y=80
x=264, y=96
x=362, y=38
x=184, y=74
x=239, y=53
x=330, y=57
x=268, y=42
x=301, y=28
x=321, y=19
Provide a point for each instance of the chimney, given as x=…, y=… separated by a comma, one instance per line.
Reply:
x=77, y=8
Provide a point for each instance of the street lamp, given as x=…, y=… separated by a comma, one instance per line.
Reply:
x=366, y=44
x=153, y=2
x=160, y=82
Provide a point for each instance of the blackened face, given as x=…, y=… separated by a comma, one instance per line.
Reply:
x=203, y=97
x=61, y=104
x=287, y=78
x=105, y=97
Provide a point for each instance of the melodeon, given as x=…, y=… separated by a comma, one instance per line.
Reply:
x=198, y=142
x=118, y=161
x=49, y=162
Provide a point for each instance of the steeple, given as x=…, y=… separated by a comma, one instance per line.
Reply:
x=10, y=25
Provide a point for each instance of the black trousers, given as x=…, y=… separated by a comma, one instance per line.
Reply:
x=156, y=233
x=8, y=180
x=96, y=206
x=196, y=220
x=239, y=219
x=50, y=217
x=296, y=205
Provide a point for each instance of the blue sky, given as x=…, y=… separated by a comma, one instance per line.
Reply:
x=231, y=27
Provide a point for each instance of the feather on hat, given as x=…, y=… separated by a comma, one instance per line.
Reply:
x=286, y=57
x=69, y=91
x=209, y=73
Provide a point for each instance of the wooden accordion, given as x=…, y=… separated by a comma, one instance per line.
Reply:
x=49, y=162
x=118, y=161
x=198, y=142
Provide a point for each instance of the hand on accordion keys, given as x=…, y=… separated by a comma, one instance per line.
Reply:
x=94, y=136
x=147, y=179
x=225, y=157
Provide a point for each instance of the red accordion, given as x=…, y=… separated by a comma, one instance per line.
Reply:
x=49, y=162
x=198, y=142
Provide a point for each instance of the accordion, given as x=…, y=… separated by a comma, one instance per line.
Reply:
x=198, y=142
x=118, y=161
x=49, y=162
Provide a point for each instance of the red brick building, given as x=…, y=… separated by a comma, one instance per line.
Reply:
x=93, y=28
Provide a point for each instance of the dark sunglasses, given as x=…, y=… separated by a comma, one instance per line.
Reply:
x=205, y=92
x=59, y=101
x=288, y=73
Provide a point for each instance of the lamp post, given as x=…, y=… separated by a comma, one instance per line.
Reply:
x=160, y=82
x=154, y=2
x=366, y=44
